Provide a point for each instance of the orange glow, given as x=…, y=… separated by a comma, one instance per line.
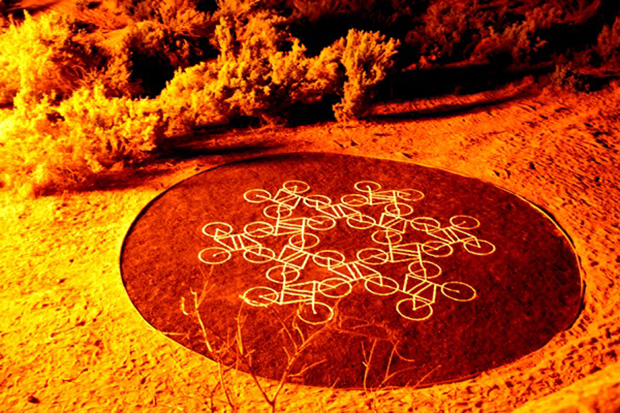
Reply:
x=104, y=104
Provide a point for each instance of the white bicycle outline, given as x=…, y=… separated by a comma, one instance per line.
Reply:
x=455, y=233
x=391, y=226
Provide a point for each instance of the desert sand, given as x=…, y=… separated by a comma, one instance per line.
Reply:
x=71, y=340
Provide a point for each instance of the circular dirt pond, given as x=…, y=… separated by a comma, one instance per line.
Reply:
x=335, y=270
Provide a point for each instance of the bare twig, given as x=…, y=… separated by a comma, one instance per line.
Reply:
x=367, y=362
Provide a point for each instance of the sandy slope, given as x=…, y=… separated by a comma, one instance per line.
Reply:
x=70, y=339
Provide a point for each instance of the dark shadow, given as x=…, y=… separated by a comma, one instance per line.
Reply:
x=158, y=165
x=120, y=180
x=460, y=79
x=444, y=111
x=199, y=148
x=302, y=115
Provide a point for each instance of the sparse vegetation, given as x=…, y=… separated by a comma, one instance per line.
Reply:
x=566, y=78
x=608, y=44
x=159, y=69
x=54, y=147
x=72, y=119
x=40, y=57
x=366, y=58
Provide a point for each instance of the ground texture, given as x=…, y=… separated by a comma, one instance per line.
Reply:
x=71, y=340
x=382, y=285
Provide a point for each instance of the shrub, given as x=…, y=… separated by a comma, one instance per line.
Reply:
x=608, y=43
x=257, y=74
x=521, y=42
x=366, y=57
x=115, y=75
x=172, y=38
x=63, y=131
x=445, y=27
x=40, y=57
x=45, y=147
x=566, y=78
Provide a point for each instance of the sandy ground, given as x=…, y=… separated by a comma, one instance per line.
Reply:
x=71, y=340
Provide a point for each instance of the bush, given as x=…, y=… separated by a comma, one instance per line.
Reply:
x=566, y=78
x=40, y=57
x=366, y=57
x=239, y=82
x=521, y=42
x=259, y=75
x=63, y=131
x=608, y=44
x=172, y=38
x=45, y=147
x=445, y=27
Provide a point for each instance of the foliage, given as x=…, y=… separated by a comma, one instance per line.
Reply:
x=262, y=72
x=520, y=42
x=366, y=57
x=82, y=76
x=566, y=78
x=608, y=43
x=40, y=57
x=171, y=38
x=44, y=147
x=446, y=31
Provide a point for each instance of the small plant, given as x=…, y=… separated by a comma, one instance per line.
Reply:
x=608, y=43
x=40, y=57
x=566, y=78
x=45, y=148
x=366, y=57
x=231, y=352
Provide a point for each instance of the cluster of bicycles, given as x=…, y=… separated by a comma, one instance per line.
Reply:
x=315, y=298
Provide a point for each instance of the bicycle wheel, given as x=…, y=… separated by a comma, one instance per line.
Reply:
x=296, y=187
x=278, y=211
x=380, y=285
x=260, y=296
x=437, y=249
x=217, y=229
x=373, y=256
x=256, y=196
x=282, y=274
x=257, y=254
x=335, y=287
x=361, y=221
x=479, y=246
x=398, y=210
x=315, y=313
x=214, y=255
x=409, y=194
x=354, y=200
x=414, y=311
x=464, y=222
x=458, y=291
x=425, y=224
x=328, y=258
x=259, y=229
x=317, y=201
x=424, y=269
x=367, y=186
x=387, y=237
x=321, y=223
x=303, y=241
